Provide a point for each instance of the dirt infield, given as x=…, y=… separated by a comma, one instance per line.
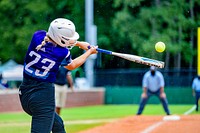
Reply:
x=150, y=124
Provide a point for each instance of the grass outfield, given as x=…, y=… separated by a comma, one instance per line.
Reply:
x=73, y=117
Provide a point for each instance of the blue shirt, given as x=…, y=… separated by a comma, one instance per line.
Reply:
x=196, y=84
x=153, y=83
x=42, y=65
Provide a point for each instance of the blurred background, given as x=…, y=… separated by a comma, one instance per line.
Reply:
x=126, y=26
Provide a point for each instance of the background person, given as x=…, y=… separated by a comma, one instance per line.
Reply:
x=46, y=52
x=153, y=84
x=1, y=85
x=196, y=90
x=63, y=80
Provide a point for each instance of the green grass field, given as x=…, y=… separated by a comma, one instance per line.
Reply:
x=20, y=122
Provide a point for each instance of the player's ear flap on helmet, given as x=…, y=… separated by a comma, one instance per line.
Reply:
x=61, y=31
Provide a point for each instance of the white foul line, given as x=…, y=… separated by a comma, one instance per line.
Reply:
x=190, y=110
x=152, y=127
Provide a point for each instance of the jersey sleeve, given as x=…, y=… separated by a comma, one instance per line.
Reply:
x=144, y=80
x=193, y=84
x=67, y=60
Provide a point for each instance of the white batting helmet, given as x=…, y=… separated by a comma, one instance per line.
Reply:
x=63, y=32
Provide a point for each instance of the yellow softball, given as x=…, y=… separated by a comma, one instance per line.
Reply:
x=160, y=47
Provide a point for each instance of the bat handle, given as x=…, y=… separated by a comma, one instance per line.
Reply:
x=102, y=50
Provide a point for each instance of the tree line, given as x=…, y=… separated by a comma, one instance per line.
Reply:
x=127, y=26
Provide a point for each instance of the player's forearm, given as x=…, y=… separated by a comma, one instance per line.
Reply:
x=78, y=61
x=83, y=45
x=193, y=92
x=144, y=90
x=161, y=89
x=70, y=82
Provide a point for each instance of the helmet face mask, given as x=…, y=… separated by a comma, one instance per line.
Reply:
x=63, y=32
x=70, y=43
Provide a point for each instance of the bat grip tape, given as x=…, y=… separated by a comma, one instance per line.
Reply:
x=102, y=50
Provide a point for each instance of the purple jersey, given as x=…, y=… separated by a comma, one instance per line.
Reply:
x=42, y=65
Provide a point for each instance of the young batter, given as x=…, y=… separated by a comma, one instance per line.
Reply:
x=44, y=56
